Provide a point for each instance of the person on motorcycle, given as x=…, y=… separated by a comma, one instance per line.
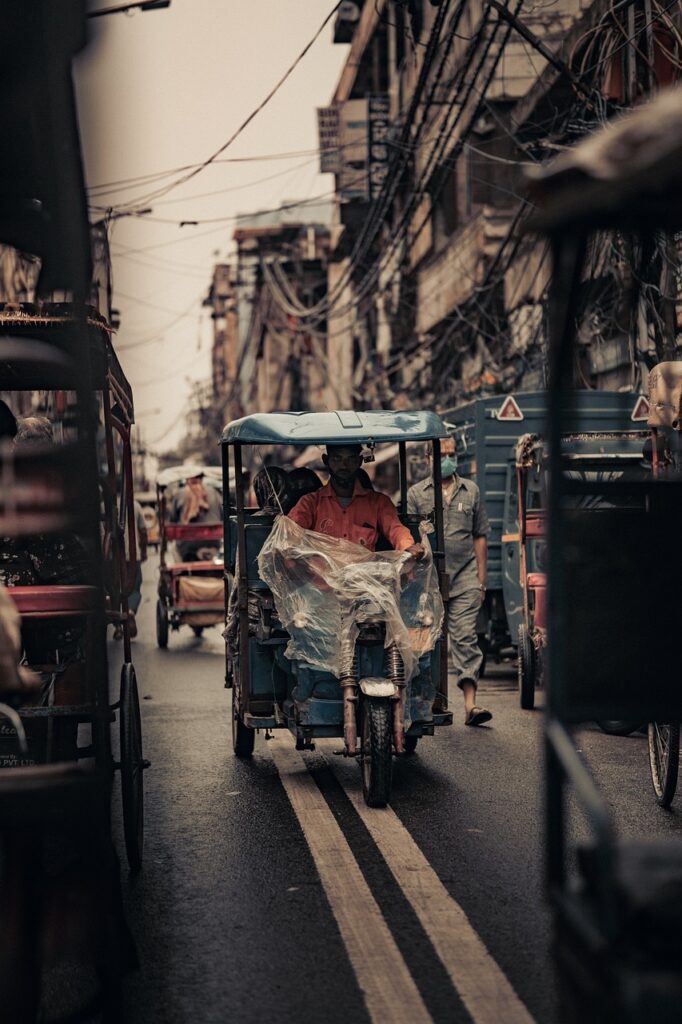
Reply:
x=346, y=509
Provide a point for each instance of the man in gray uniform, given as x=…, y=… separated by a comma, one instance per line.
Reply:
x=466, y=552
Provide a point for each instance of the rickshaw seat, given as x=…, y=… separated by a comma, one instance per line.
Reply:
x=648, y=884
x=537, y=580
x=57, y=600
x=535, y=524
x=194, y=531
x=194, y=568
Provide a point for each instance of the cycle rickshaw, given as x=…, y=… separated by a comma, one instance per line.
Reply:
x=58, y=514
x=360, y=693
x=191, y=589
x=613, y=578
x=49, y=329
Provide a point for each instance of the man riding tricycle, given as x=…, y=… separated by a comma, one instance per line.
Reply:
x=330, y=632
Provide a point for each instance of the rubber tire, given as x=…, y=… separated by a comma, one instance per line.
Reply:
x=132, y=771
x=664, y=776
x=243, y=738
x=410, y=743
x=612, y=727
x=197, y=630
x=161, y=625
x=376, y=755
x=526, y=669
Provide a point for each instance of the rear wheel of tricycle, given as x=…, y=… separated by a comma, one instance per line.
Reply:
x=664, y=759
x=161, y=624
x=376, y=755
x=526, y=669
x=132, y=768
x=243, y=738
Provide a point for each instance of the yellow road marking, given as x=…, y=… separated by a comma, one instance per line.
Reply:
x=390, y=993
x=483, y=987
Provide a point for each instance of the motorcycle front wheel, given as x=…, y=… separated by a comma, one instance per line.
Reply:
x=376, y=753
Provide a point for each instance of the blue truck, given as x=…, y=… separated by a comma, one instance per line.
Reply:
x=486, y=432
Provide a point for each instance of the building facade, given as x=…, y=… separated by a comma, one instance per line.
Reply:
x=436, y=292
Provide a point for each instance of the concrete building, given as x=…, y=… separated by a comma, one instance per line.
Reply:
x=435, y=292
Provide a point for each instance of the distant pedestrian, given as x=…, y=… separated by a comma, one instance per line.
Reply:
x=466, y=553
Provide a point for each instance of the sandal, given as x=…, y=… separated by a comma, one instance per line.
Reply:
x=477, y=716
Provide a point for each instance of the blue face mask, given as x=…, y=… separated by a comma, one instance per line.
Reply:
x=448, y=466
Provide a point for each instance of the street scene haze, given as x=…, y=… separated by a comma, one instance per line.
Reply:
x=340, y=510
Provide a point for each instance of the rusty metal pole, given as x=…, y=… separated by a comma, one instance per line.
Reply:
x=440, y=563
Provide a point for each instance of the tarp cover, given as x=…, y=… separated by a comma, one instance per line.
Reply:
x=325, y=587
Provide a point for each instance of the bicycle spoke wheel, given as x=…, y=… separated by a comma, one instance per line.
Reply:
x=664, y=759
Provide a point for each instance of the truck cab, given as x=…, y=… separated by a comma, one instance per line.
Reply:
x=486, y=432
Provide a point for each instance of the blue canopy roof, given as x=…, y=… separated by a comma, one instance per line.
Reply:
x=303, y=428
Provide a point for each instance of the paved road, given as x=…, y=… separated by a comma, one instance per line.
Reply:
x=270, y=893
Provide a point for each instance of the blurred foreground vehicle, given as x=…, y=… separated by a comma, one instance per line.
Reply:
x=613, y=624
x=57, y=521
x=64, y=945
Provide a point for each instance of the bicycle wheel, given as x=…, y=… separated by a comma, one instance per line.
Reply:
x=664, y=759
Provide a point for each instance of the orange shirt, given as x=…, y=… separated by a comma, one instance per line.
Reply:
x=369, y=515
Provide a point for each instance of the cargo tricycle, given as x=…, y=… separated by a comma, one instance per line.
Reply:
x=326, y=638
x=65, y=575
x=613, y=576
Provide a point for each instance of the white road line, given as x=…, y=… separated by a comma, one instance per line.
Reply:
x=483, y=987
x=391, y=995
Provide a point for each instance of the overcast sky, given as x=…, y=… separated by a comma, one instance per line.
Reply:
x=159, y=90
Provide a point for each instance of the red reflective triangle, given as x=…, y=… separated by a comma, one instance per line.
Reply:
x=509, y=410
x=641, y=409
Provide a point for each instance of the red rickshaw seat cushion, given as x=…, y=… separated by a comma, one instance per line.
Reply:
x=537, y=580
x=60, y=599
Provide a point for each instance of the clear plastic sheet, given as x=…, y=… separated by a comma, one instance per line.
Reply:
x=325, y=588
